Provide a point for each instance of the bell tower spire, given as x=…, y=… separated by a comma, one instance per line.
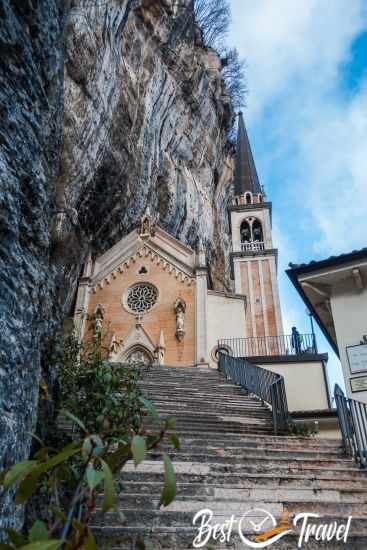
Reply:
x=253, y=257
x=246, y=179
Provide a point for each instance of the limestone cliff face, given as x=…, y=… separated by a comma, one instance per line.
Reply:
x=31, y=110
x=138, y=119
x=146, y=119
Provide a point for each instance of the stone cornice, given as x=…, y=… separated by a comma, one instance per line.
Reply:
x=105, y=278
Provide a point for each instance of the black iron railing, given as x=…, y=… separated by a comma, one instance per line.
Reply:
x=285, y=344
x=263, y=383
x=353, y=424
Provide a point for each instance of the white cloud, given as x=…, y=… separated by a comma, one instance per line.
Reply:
x=294, y=52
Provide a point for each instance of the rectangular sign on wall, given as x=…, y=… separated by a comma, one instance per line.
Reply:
x=358, y=384
x=357, y=357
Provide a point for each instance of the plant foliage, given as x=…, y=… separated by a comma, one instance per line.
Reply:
x=104, y=410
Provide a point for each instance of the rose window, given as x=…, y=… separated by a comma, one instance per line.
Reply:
x=141, y=297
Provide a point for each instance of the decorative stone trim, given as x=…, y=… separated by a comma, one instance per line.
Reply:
x=154, y=257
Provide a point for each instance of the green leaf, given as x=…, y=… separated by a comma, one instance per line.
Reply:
x=149, y=406
x=63, y=456
x=138, y=449
x=16, y=538
x=93, y=477
x=42, y=545
x=175, y=441
x=109, y=490
x=93, y=443
x=38, y=531
x=119, y=457
x=26, y=489
x=75, y=419
x=170, y=423
x=17, y=471
x=29, y=485
x=170, y=489
x=90, y=543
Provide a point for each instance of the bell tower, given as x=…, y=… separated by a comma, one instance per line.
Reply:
x=253, y=257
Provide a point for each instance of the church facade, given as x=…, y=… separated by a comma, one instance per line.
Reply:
x=151, y=293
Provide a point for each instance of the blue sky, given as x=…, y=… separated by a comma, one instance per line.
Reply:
x=306, y=115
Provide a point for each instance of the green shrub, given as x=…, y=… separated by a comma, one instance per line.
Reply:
x=105, y=409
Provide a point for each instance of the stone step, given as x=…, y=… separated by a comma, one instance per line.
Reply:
x=246, y=492
x=240, y=450
x=200, y=397
x=233, y=438
x=203, y=473
x=181, y=514
x=179, y=406
x=142, y=501
x=259, y=441
x=171, y=538
x=211, y=416
x=248, y=429
x=263, y=461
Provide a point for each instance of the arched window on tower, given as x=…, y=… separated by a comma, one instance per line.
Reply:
x=248, y=198
x=245, y=234
x=257, y=232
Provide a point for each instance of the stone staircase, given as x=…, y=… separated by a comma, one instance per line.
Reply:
x=230, y=462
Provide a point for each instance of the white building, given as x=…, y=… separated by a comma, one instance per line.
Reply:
x=335, y=291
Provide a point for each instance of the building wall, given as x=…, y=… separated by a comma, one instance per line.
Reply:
x=349, y=310
x=225, y=319
x=304, y=384
x=162, y=316
x=259, y=284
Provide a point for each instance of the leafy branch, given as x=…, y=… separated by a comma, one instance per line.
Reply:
x=105, y=415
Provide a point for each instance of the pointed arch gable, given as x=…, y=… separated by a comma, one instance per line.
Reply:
x=138, y=336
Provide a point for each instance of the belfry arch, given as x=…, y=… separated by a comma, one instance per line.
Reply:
x=251, y=230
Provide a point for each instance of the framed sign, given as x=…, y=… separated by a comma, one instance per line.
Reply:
x=358, y=384
x=357, y=358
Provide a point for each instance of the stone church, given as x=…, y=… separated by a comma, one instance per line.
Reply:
x=154, y=292
x=152, y=296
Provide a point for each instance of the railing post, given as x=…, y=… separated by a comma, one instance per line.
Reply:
x=353, y=425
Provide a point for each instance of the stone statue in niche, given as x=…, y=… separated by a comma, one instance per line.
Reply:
x=146, y=225
x=180, y=310
x=98, y=316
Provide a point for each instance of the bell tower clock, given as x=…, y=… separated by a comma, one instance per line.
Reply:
x=253, y=257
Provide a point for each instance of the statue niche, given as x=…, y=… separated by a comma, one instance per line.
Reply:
x=180, y=310
x=147, y=226
x=98, y=316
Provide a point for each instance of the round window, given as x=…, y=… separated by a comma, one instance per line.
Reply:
x=141, y=297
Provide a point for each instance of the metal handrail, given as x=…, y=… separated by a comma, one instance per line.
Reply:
x=283, y=344
x=353, y=424
x=266, y=385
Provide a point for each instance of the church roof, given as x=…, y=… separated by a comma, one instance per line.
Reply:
x=245, y=178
